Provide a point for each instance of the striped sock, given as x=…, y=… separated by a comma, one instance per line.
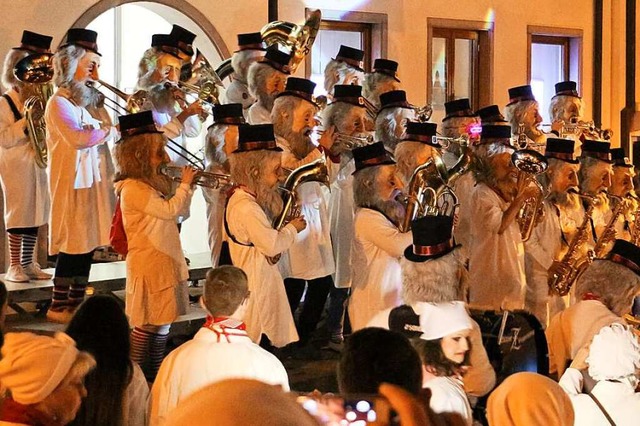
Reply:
x=28, y=247
x=77, y=291
x=15, y=245
x=139, y=345
x=61, y=293
x=157, y=347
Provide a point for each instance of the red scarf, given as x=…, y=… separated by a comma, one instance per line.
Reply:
x=15, y=412
x=225, y=326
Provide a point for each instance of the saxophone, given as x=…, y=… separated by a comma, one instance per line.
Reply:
x=430, y=183
x=608, y=234
x=635, y=235
x=568, y=269
x=315, y=171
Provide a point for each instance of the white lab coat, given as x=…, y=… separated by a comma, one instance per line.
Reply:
x=238, y=93
x=81, y=197
x=496, y=262
x=542, y=248
x=571, y=331
x=206, y=360
x=268, y=310
x=341, y=212
x=462, y=232
x=258, y=114
x=619, y=399
x=311, y=255
x=449, y=401
x=177, y=132
x=24, y=184
x=156, y=269
x=377, y=278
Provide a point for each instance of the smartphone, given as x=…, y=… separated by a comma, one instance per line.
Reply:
x=349, y=409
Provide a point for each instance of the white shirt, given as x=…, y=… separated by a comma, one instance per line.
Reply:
x=377, y=278
x=208, y=359
x=80, y=196
x=268, y=310
x=449, y=401
x=24, y=184
x=496, y=262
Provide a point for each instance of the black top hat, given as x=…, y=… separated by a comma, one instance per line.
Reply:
x=561, y=149
x=299, y=87
x=184, y=39
x=626, y=254
x=250, y=41
x=620, y=159
x=137, y=124
x=34, y=42
x=520, y=93
x=348, y=93
x=82, y=37
x=491, y=114
x=351, y=56
x=166, y=43
x=386, y=66
x=566, y=88
x=371, y=155
x=421, y=132
x=394, y=99
x=256, y=137
x=458, y=108
x=495, y=131
x=404, y=320
x=597, y=149
x=277, y=60
x=432, y=238
x=228, y=114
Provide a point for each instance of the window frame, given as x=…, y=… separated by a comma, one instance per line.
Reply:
x=570, y=38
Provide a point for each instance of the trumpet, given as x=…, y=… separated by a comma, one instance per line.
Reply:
x=133, y=102
x=349, y=142
x=423, y=113
x=587, y=127
x=445, y=142
x=204, y=179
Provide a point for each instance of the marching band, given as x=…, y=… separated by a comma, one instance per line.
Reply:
x=362, y=202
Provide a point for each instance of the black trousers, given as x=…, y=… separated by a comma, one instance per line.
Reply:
x=317, y=292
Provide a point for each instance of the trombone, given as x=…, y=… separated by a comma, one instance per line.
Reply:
x=202, y=178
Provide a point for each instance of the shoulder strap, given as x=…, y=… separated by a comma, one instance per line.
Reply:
x=226, y=225
x=611, y=422
x=12, y=105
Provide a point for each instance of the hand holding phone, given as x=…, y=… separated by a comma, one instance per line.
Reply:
x=349, y=409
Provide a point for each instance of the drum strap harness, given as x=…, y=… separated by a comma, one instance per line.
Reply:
x=611, y=422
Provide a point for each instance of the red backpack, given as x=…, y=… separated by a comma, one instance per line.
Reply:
x=117, y=236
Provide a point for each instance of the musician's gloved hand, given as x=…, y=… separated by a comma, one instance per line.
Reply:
x=299, y=223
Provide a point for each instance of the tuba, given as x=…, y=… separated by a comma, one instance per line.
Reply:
x=529, y=163
x=430, y=185
x=571, y=266
x=37, y=69
x=315, y=171
x=297, y=38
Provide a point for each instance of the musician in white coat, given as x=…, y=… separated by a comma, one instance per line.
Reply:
x=250, y=49
x=221, y=141
x=309, y=262
x=549, y=239
x=156, y=269
x=346, y=116
x=255, y=202
x=523, y=109
x=220, y=350
x=80, y=196
x=383, y=78
x=415, y=149
x=622, y=186
x=378, y=244
x=345, y=68
x=394, y=112
x=605, y=293
x=26, y=195
x=158, y=74
x=266, y=79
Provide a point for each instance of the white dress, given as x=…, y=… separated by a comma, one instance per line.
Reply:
x=377, y=279
x=208, y=359
x=156, y=269
x=542, y=248
x=24, y=184
x=496, y=262
x=311, y=255
x=268, y=310
x=81, y=197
